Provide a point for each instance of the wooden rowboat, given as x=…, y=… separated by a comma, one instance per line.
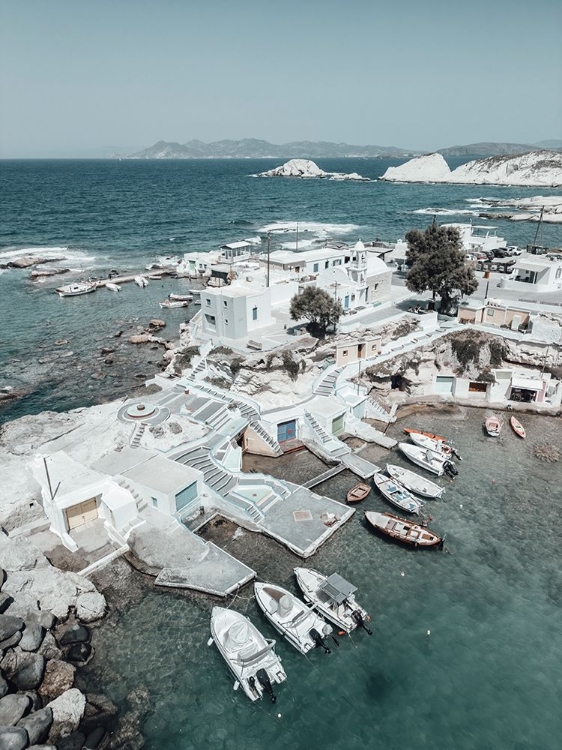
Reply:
x=517, y=427
x=493, y=426
x=358, y=493
x=410, y=431
x=402, y=530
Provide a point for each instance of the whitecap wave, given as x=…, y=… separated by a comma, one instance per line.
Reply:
x=319, y=229
x=302, y=244
x=254, y=240
x=446, y=211
x=66, y=253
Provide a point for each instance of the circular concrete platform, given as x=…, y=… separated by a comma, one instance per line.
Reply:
x=143, y=411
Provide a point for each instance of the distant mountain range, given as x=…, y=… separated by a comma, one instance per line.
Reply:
x=251, y=148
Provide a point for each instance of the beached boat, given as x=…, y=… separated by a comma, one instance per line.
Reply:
x=493, y=426
x=334, y=598
x=112, y=287
x=434, y=445
x=358, y=493
x=296, y=621
x=75, y=290
x=517, y=427
x=141, y=281
x=414, y=482
x=181, y=297
x=397, y=495
x=437, y=463
x=250, y=657
x=402, y=530
x=412, y=431
x=170, y=303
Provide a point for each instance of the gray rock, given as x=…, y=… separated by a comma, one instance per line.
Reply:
x=79, y=653
x=12, y=738
x=24, y=605
x=9, y=625
x=13, y=708
x=95, y=738
x=68, y=710
x=35, y=698
x=49, y=648
x=75, y=634
x=13, y=640
x=32, y=637
x=90, y=606
x=3, y=686
x=2, y=576
x=41, y=617
x=74, y=741
x=20, y=554
x=29, y=673
x=5, y=601
x=41, y=747
x=58, y=678
x=37, y=725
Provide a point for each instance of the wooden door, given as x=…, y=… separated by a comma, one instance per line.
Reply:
x=80, y=514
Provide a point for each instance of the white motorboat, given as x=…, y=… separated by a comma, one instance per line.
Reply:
x=170, y=303
x=141, y=281
x=112, y=287
x=437, y=463
x=250, y=657
x=438, y=446
x=414, y=482
x=181, y=297
x=334, y=598
x=75, y=290
x=396, y=494
x=298, y=623
x=195, y=292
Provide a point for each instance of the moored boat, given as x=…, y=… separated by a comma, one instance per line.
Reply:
x=434, y=445
x=297, y=622
x=75, y=290
x=169, y=303
x=141, y=281
x=250, y=657
x=493, y=426
x=181, y=297
x=334, y=598
x=414, y=482
x=403, y=530
x=437, y=463
x=112, y=287
x=396, y=494
x=412, y=431
x=358, y=493
x=517, y=427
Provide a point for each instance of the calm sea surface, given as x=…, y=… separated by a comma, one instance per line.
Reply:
x=104, y=215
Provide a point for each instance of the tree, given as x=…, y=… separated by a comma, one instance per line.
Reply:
x=318, y=307
x=436, y=263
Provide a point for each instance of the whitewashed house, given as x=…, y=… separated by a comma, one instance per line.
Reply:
x=531, y=274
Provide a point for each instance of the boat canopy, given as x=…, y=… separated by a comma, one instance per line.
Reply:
x=337, y=588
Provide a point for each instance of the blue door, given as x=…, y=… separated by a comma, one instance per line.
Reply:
x=185, y=496
x=346, y=301
x=286, y=431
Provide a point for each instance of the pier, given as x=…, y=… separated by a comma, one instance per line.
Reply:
x=331, y=472
x=131, y=277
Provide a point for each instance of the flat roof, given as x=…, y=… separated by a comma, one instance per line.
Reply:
x=163, y=474
x=237, y=245
x=66, y=474
x=288, y=256
x=235, y=290
x=117, y=462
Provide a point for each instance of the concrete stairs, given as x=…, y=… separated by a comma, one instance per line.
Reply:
x=216, y=478
x=325, y=387
x=137, y=434
x=327, y=445
x=140, y=501
x=319, y=431
x=375, y=410
x=266, y=437
x=199, y=371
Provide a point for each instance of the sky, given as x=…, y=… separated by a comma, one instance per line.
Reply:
x=88, y=78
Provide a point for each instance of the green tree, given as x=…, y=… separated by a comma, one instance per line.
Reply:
x=318, y=307
x=437, y=264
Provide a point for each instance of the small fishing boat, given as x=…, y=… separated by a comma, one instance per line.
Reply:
x=141, y=281
x=397, y=495
x=181, y=297
x=195, y=292
x=517, y=427
x=434, y=445
x=437, y=463
x=170, y=303
x=112, y=287
x=493, y=426
x=402, y=530
x=155, y=276
x=297, y=622
x=334, y=598
x=75, y=290
x=250, y=657
x=414, y=482
x=358, y=493
x=412, y=431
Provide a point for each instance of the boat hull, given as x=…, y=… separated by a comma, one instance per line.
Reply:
x=434, y=464
x=414, y=482
x=402, y=530
x=397, y=495
x=517, y=428
x=340, y=616
x=358, y=493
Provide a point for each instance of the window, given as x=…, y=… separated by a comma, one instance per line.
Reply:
x=326, y=264
x=226, y=321
x=344, y=353
x=255, y=313
x=211, y=319
x=225, y=302
x=154, y=502
x=186, y=496
x=208, y=301
x=490, y=313
x=337, y=262
x=315, y=268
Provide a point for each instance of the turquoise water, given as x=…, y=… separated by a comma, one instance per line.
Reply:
x=488, y=676
x=105, y=215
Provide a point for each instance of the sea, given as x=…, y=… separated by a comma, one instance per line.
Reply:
x=123, y=215
x=466, y=649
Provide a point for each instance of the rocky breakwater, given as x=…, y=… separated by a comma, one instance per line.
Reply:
x=44, y=640
x=306, y=169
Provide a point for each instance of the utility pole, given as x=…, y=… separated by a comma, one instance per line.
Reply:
x=268, y=238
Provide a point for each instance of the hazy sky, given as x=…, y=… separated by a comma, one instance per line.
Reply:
x=91, y=77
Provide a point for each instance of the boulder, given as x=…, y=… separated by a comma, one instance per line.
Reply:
x=99, y=704
x=2, y=576
x=9, y=625
x=12, y=738
x=42, y=617
x=20, y=554
x=68, y=710
x=156, y=323
x=79, y=653
x=24, y=606
x=30, y=671
x=56, y=591
x=37, y=725
x=58, y=678
x=41, y=747
x=5, y=601
x=13, y=708
x=11, y=661
x=74, y=741
x=3, y=686
x=75, y=634
x=140, y=338
x=13, y=640
x=32, y=637
x=35, y=698
x=90, y=606
x=49, y=648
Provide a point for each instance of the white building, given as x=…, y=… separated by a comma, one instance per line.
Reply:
x=476, y=238
x=534, y=275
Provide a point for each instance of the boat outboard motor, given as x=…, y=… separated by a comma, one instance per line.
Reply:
x=455, y=452
x=266, y=684
x=358, y=617
x=252, y=684
x=319, y=641
x=450, y=469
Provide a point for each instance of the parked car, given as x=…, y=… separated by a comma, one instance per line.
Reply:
x=514, y=250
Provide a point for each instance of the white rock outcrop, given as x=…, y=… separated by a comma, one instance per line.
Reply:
x=307, y=169
x=68, y=709
x=534, y=169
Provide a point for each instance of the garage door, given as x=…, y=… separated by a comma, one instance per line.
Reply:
x=80, y=514
x=286, y=431
x=444, y=384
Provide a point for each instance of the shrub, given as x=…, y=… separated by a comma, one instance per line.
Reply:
x=222, y=350
x=290, y=365
x=236, y=365
x=183, y=359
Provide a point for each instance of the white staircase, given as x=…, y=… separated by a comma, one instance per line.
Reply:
x=266, y=437
x=136, y=435
x=325, y=387
x=328, y=445
x=375, y=410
